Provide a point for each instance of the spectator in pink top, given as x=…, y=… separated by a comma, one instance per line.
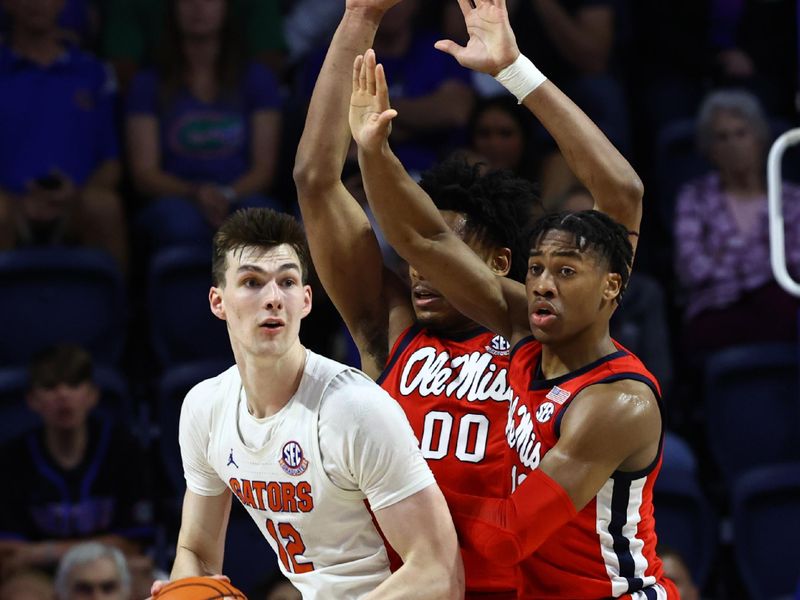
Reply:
x=722, y=234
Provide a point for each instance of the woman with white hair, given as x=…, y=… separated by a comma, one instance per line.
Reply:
x=93, y=570
x=722, y=234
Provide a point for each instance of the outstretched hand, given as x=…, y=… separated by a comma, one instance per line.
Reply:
x=492, y=45
x=370, y=114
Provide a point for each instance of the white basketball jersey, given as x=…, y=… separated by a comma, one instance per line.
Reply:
x=323, y=535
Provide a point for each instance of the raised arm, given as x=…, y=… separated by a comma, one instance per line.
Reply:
x=492, y=48
x=608, y=428
x=372, y=301
x=413, y=225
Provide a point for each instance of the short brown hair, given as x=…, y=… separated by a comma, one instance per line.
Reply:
x=60, y=364
x=261, y=228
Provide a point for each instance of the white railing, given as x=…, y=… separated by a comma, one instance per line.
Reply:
x=777, y=242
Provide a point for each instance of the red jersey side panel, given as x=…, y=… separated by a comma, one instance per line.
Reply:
x=608, y=549
x=456, y=394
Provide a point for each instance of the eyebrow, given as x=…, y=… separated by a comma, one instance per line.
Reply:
x=567, y=253
x=255, y=268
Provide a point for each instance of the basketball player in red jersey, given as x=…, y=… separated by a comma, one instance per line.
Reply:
x=449, y=374
x=585, y=427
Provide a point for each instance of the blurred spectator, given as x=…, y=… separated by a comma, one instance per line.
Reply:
x=429, y=89
x=308, y=25
x=27, y=585
x=755, y=44
x=203, y=129
x=133, y=31
x=572, y=43
x=675, y=568
x=58, y=152
x=78, y=22
x=499, y=134
x=722, y=236
x=640, y=322
x=75, y=477
x=93, y=570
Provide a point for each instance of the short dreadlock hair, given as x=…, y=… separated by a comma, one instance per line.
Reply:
x=261, y=228
x=592, y=230
x=497, y=205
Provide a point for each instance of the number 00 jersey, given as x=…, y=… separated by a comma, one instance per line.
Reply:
x=455, y=392
x=609, y=548
x=304, y=473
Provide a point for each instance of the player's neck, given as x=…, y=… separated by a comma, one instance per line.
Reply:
x=568, y=356
x=67, y=447
x=271, y=381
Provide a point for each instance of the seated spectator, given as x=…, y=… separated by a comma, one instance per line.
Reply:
x=640, y=322
x=722, y=236
x=78, y=23
x=28, y=584
x=675, y=568
x=429, y=89
x=572, y=43
x=93, y=570
x=203, y=127
x=133, y=32
x=59, y=163
x=76, y=477
x=499, y=133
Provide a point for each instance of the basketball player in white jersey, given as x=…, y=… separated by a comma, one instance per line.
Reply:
x=306, y=444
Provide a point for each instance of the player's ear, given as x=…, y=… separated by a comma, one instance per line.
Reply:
x=613, y=287
x=500, y=261
x=306, y=301
x=216, y=303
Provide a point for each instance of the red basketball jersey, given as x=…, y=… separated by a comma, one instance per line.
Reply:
x=608, y=549
x=456, y=393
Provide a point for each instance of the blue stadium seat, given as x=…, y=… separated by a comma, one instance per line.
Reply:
x=678, y=455
x=172, y=389
x=53, y=295
x=685, y=520
x=752, y=407
x=766, y=522
x=17, y=418
x=182, y=327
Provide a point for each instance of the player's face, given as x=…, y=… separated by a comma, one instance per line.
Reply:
x=263, y=300
x=569, y=292
x=97, y=580
x=498, y=138
x=64, y=406
x=200, y=18
x=430, y=307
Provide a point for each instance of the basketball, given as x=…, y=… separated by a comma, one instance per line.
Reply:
x=199, y=588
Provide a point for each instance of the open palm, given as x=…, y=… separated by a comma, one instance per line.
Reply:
x=492, y=45
x=370, y=114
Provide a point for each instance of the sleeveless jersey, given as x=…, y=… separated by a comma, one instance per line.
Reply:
x=455, y=392
x=608, y=549
x=324, y=537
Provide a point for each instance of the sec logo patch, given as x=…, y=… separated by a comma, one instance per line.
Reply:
x=292, y=460
x=545, y=411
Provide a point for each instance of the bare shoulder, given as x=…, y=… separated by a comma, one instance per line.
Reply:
x=627, y=402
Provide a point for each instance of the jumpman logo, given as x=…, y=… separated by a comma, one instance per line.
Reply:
x=231, y=461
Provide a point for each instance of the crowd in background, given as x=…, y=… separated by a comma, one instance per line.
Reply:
x=134, y=127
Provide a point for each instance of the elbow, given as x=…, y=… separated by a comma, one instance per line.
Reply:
x=311, y=177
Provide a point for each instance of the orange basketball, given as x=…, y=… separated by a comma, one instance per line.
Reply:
x=199, y=588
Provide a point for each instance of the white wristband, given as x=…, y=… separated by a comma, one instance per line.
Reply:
x=521, y=77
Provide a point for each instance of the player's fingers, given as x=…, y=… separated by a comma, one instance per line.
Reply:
x=357, y=71
x=369, y=58
x=362, y=76
x=381, y=88
x=466, y=6
x=386, y=117
x=501, y=4
x=224, y=578
x=449, y=47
